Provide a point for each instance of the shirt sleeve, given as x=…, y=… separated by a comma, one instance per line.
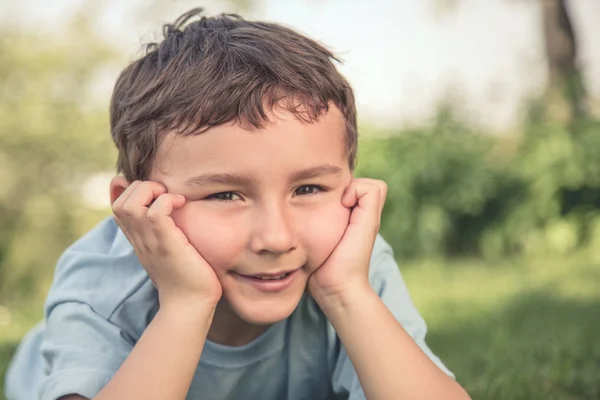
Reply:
x=82, y=351
x=386, y=279
x=95, y=312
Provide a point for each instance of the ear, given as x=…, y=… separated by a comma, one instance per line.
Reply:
x=118, y=184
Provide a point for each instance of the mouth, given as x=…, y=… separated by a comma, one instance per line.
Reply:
x=270, y=282
x=271, y=277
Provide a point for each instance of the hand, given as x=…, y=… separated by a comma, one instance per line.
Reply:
x=347, y=268
x=178, y=271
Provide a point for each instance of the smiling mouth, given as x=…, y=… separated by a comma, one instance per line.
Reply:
x=276, y=282
x=270, y=277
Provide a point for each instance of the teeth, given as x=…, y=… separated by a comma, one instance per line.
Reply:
x=272, y=278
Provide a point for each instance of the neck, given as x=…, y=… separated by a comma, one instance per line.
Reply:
x=229, y=329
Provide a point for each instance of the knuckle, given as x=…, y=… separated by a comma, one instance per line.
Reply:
x=127, y=212
x=146, y=248
x=153, y=216
x=162, y=251
x=141, y=186
x=151, y=185
x=162, y=198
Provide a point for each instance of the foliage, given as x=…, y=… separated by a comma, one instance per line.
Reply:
x=53, y=135
x=456, y=191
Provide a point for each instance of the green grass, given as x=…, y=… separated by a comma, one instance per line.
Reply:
x=525, y=329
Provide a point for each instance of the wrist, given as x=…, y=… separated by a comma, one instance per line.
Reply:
x=187, y=310
x=339, y=302
x=192, y=300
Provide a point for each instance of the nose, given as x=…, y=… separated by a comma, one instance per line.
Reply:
x=273, y=232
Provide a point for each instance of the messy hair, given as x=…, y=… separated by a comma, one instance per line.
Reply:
x=218, y=70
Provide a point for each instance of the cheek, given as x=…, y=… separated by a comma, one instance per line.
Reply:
x=322, y=231
x=217, y=238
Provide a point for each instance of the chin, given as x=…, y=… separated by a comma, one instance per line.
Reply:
x=265, y=311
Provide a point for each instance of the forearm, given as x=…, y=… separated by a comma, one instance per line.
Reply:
x=163, y=362
x=387, y=360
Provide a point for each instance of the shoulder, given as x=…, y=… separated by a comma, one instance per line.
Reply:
x=103, y=239
x=383, y=263
x=381, y=248
x=100, y=269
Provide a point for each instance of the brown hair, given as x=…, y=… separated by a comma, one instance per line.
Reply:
x=218, y=70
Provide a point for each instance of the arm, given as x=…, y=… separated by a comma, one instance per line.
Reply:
x=381, y=351
x=88, y=349
x=163, y=361
x=162, y=364
x=387, y=360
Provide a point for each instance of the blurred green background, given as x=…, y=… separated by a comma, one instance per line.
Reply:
x=498, y=235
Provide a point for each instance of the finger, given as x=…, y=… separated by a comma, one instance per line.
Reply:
x=365, y=197
x=350, y=198
x=136, y=205
x=118, y=204
x=117, y=209
x=130, y=237
x=131, y=215
x=160, y=221
x=160, y=212
x=383, y=190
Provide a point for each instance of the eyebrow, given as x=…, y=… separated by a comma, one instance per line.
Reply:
x=236, y=179
x=218, y=179
x=315, y=172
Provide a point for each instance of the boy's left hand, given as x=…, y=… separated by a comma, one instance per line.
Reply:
x=347, y=268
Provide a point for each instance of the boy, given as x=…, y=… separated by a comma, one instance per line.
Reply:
x=243, y=260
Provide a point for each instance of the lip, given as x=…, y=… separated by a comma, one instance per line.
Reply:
x=269, y=286
x=272, y=274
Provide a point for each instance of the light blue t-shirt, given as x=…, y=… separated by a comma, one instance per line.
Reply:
x=102, y=300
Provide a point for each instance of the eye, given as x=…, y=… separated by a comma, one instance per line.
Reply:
x=307, y=189
x=224, y=196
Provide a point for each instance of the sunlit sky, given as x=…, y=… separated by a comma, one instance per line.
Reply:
x=400, y=56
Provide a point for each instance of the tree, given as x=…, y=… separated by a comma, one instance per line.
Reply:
x=565, y=84
x=565, y=93
x=53, y=135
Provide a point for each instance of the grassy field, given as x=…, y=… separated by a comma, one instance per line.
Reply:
x=522, y=330
x=527, y=329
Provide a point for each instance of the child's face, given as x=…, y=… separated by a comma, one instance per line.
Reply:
x=261, y=202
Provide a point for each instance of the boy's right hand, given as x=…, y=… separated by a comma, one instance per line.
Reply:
x=179, y=273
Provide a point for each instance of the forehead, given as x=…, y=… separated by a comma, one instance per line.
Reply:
x=285, y=143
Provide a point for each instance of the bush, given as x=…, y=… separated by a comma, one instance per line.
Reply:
x=456, y=191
